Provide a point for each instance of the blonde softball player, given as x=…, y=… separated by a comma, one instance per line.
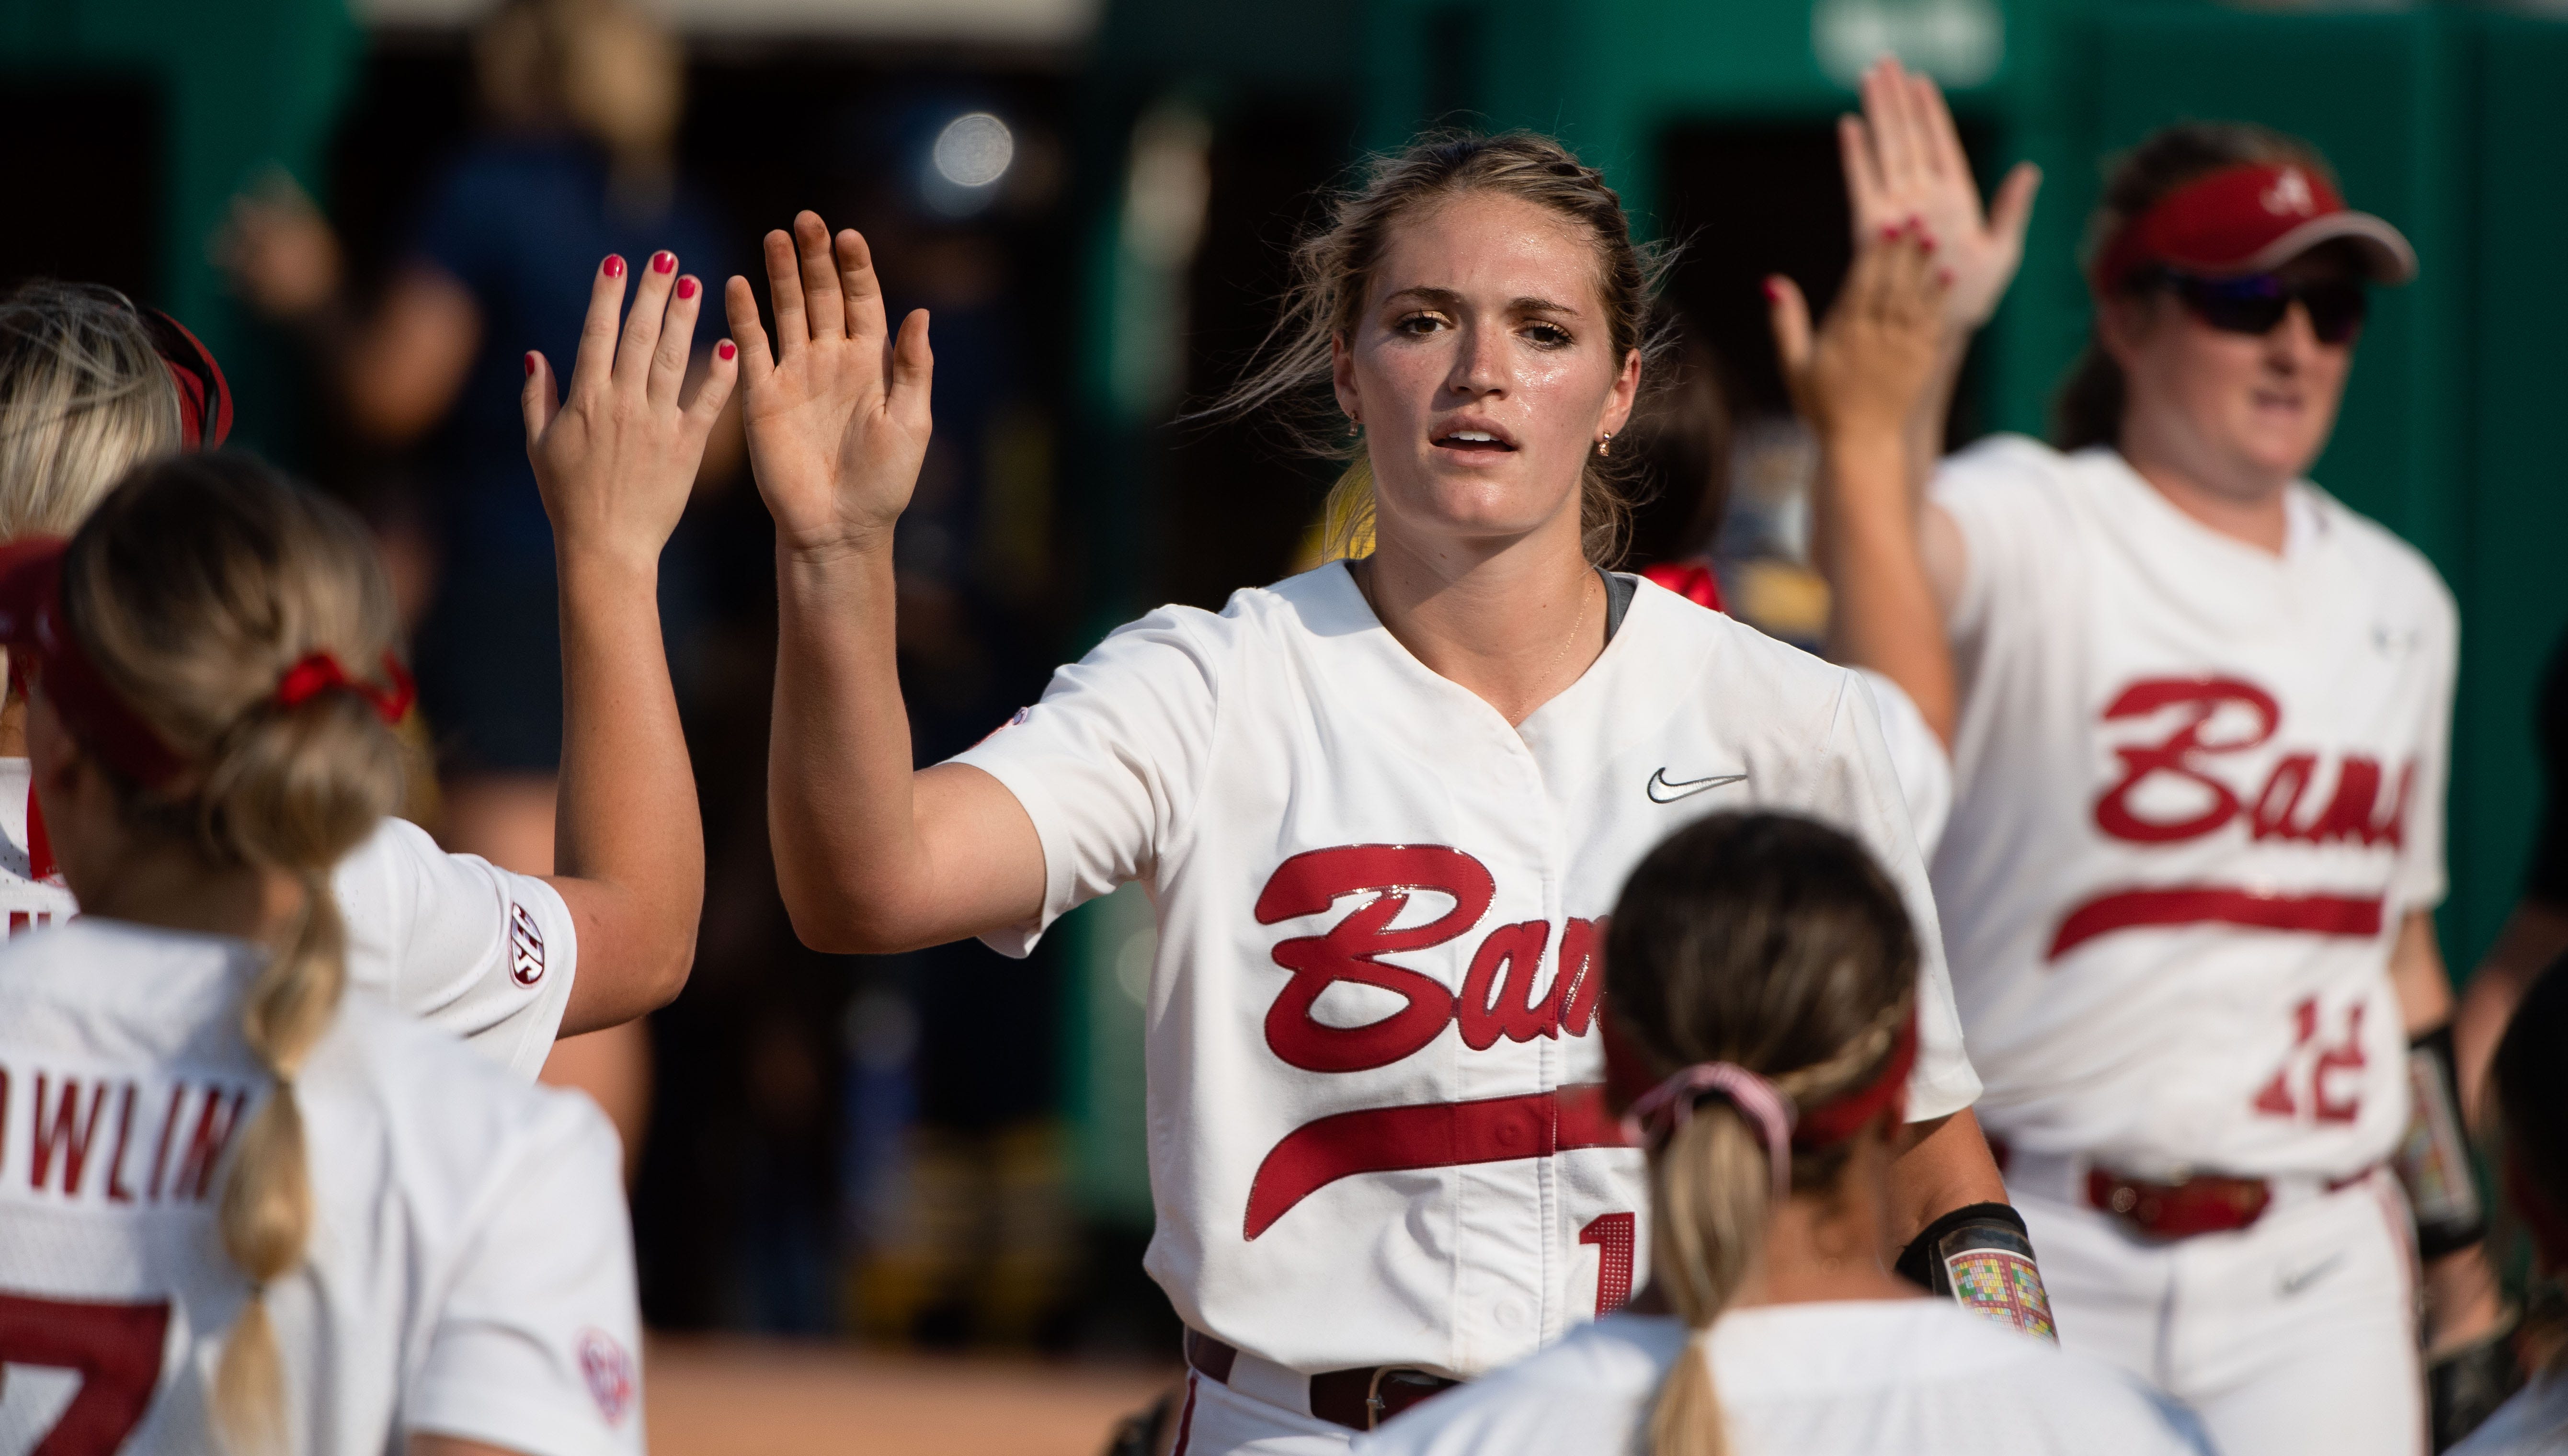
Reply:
x=1381, y=808
x=88, y=386
x=1759, y=1023
x=2200, y=748
x=242, y=1201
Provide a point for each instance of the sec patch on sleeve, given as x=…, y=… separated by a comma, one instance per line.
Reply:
x=525, y=946
x=608, y=1370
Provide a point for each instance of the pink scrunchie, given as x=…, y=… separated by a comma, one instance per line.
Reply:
x=1672, y=1101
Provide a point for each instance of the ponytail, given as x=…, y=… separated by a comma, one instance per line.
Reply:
x=219, y=603
x=1714, y=1196
x=1761, y=979
x=266, y=1212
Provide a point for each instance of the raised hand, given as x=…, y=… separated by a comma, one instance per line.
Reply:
x=837, y=416
x=616, y=457
x=1903, y=162
x=1860, y=377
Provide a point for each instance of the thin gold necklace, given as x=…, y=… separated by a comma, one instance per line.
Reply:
x=1576, y=626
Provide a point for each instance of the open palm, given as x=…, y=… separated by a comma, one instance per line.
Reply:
x=837, y=414
x=1904, y=161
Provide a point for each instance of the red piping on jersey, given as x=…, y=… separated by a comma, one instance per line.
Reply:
x=2217, y=905
x=1428, y=1135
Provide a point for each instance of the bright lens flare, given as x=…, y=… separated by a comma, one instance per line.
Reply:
x=974, y=149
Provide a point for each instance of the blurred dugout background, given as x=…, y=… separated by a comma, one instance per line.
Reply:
x=944, y=1151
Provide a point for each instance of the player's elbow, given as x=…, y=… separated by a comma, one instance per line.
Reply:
x=839, y=924
x=661, y=981
x=848, y=913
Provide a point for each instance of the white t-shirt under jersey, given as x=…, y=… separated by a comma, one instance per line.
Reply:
x=1889, y=1377
x=2199, y=787
x=452, y=939
x=1376, y=1134
x=470, y=1270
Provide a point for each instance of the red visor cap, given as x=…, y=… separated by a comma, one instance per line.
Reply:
x=32, y=628
x=2250, y=219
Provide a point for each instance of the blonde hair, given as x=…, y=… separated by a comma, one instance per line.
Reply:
x=1774, y=944
x=1333, y=271
x=193, y=587
x=83, y=397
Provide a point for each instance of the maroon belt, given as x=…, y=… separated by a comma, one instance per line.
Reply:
x=2203, y=1204
x=1359, y=1400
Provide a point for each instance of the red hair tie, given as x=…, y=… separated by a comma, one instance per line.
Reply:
x=319, y=672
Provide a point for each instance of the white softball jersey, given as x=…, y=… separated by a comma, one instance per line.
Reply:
x=1374, y=1122
x=469, y=1271
x=2198, y=786
x=1851, y=1377
x=451, y=938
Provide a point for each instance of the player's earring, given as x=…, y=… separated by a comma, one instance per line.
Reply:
x=1604, y=445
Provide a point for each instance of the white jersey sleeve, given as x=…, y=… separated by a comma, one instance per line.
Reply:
x=459, y=943
x=1925, y=770
x=1858, y=788
x=1109, y=762
x=535, y=1345
x=2419, y=882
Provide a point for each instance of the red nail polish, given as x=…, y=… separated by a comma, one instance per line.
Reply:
x=531, y=364
x=686, y=288
x=663, y=260
x=614, y=265
x=1772, y=293
x=725, y=349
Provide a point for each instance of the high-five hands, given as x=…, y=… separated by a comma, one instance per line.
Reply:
x=838, y=416
x=1861, y=378
x=618, y=458
x=1904, y=161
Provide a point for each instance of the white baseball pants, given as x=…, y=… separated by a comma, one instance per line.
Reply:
x=1215, y=1420
x=2296, y=1334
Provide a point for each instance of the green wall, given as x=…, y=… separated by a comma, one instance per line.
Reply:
x=245, y=84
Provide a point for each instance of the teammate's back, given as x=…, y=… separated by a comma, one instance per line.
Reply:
x=1876, y=1377
x=469, y=1270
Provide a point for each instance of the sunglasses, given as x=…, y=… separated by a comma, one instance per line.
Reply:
x=2256, y=303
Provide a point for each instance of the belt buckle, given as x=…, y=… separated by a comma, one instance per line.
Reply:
x=1376, y=1408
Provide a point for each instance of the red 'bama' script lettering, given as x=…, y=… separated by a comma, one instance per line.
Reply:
x=1433, y=1135
x=2352, y=813
x=2203, y=697
x=1311, y=882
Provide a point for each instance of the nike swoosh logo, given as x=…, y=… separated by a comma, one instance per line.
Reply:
x=1664, y=791
x=2293, y=1284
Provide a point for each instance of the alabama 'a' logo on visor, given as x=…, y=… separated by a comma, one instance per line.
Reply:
x=525, y=946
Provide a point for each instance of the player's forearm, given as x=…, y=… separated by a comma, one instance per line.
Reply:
x=1946, y=1168
x=2534, y=935
x=839, y=777
x=1923, y=438
x=627, y=827
x=1882, y=612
